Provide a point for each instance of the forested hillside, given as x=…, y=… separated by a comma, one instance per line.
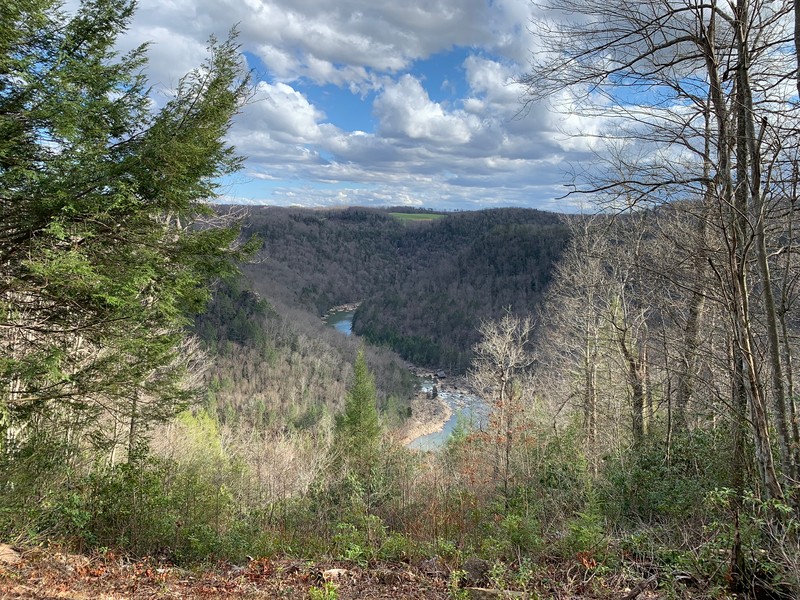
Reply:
x=425, y=285
x=272, y=366
x=478, y=265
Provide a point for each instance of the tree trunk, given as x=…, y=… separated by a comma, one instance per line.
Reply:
x=691, y=331
x=590, y=392
x=745, y=169
x=134, y=424
x=636, y=383
x=787, y=358
x=779, y=408
x=797, y=40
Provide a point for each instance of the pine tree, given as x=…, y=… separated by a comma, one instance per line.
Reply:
x=358, y=429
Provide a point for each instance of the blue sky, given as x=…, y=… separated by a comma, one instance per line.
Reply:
x=375, y=102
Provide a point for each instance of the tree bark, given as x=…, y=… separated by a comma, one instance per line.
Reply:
x=636, y=383
x=747, y=177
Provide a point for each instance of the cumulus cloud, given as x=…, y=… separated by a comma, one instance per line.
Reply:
x=455, y=143
x=285, y=113
x=326, y=41
x=494, y=81
x=404, y=110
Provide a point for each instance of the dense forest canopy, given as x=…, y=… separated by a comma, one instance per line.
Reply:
x=425, y=285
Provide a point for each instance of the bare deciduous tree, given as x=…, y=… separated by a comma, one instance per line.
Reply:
x=501, y=371
x=695, y=90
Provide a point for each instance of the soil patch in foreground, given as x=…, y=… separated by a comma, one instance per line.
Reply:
x=46, y=575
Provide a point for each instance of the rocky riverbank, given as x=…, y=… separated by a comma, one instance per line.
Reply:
x=350, y=307
x=430, y=414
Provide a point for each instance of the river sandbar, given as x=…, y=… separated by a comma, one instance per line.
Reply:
x=428, y=415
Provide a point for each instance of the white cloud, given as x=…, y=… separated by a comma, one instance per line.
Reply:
x=351, y=37
x=468, y=151
x=404, y=110
x=493, y=81
x=285, y=113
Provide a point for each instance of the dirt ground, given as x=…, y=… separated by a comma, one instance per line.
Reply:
x=50, y=575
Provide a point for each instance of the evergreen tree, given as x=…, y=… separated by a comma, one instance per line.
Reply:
x=358, y=428
x=103, y=256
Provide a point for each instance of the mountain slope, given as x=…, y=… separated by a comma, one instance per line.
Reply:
x=425, y=285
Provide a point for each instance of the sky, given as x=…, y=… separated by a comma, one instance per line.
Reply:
x=376, y=102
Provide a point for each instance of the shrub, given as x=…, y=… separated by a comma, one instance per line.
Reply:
x=586, y=536
x=649, y=483
x=326, y=592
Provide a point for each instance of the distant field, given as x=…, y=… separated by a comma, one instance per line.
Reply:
x=416, y=216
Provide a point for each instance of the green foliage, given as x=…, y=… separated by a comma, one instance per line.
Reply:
x=395, y=547
x=418, y=349
x=526, y=575
x=499, y=575
x=184, y=506
x=352, y=543
x=649, y=483
x=364, y=538
x=101, y=266
x=522, y=533
x=235, y=315
x=34, y=479
x=561, y=483
x=130, y=507
x=586, y=534
x=454, y=589
x=505, y=533
x=358, y=429
x=326, y=592
x=767, y=533
x=657, y=545
x=127, y=506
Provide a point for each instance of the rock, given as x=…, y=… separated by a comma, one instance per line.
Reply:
x=475, y=593
x=334, y=574
x=9, y=556
x=476, y=571
x=434, y=567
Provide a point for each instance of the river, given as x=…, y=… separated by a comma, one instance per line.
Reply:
x=341, y=320
x=468, y=410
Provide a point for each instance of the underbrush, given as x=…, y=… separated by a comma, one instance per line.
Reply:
x=557, y=528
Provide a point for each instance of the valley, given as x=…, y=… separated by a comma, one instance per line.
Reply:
x=210, y=389
x=435, y=415
x=360, y=257
x=425, y=284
